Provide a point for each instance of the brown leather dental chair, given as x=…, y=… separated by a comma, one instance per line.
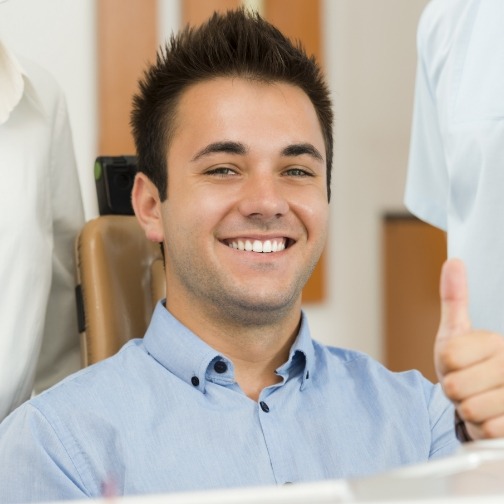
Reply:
x=120, y=277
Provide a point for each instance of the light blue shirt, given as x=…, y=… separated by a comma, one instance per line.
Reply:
x=165, y=414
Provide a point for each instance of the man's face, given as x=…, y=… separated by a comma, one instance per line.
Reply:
x=246, y=216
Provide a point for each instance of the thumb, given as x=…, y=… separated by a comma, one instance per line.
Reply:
x=454, y=300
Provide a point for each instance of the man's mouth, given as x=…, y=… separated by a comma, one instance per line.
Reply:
x=261, y=246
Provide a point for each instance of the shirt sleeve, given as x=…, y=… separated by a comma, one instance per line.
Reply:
x=28, y=441
x=60, y=351
x=427, y=185
x=441, y=411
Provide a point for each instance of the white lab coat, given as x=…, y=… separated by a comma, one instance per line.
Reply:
x=40, y=214
x=456, y=167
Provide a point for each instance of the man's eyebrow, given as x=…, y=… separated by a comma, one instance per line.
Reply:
x=303, y=148
x=216, y=147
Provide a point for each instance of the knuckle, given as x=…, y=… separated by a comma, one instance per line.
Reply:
x=451, y=387
x=468, y=412
x=500, y=357
x=489, y=429
x=448, y=355
x=496, y=341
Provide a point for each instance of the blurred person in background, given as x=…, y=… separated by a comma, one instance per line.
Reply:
x=40, y=213
x=456, y=167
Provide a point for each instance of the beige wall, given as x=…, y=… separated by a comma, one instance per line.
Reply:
x=370, y=58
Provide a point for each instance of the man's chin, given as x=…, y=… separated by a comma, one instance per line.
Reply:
x=260, y=310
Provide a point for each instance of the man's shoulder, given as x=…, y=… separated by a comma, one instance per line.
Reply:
x=340, y=355
x=345, y=356
x=99, y=383
x=446, y=11
x=40, y=83
x=361, y=367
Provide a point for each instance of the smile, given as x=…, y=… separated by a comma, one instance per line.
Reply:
x=264, y=247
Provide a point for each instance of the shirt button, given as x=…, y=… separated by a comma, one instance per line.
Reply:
x=220, y=367
x=195, y=381
x=264, y=407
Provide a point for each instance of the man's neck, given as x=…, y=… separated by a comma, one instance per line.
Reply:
x=256, y=357
x=255, y=350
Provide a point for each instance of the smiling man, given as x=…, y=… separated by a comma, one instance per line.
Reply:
x=233, y=128
x=245, y=217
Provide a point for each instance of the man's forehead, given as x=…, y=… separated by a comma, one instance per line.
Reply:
x=208, y=112
x=236, y=83
x=224, y=97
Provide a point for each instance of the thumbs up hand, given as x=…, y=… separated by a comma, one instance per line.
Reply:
x=469, y=363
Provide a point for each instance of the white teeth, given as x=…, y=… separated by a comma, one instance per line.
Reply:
x=257, y=246
x=264, y=247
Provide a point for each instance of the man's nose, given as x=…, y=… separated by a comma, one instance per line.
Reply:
x=263, y=197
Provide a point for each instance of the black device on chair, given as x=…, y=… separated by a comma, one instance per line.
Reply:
x=114, y=176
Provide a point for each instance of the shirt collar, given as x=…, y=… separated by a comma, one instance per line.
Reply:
x=12, y=83
x=188, y=357
x=301, y=356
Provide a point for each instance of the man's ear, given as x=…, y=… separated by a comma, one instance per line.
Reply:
x=147, y=206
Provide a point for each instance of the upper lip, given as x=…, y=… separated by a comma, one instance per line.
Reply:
x=276, y=236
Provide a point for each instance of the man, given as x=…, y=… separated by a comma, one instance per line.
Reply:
x=227, y=388
x=456, y=173
x=41, y=213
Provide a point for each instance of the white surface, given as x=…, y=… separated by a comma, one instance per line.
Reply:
x=476, y=471
x=473, y=476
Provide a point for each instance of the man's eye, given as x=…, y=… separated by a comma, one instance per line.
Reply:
x=298, y=172
x=221, y=171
